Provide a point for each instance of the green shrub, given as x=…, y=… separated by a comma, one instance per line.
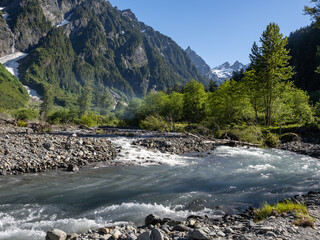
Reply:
x=21, y=123
x=153, y=123
x=252, y=134
x=63, y=116
x=93, y=119
x=26, y=114
x=267, y=210
x=272, y=140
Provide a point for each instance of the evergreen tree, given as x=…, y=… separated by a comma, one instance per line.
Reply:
x=213, y=86
x=85, y=100
x=47, y=102
x=271, y=65
x=314, y=12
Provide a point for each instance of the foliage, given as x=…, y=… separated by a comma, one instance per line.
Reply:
x=194, y=100
x=25, y=114
x=154, y=123
x=93, y=119
x=271, y=140
x=21, y=123
x=303, y=45
x=229, y=104
x=281, y=207
x=63, y=116
x=270, y=63
x=245, y=133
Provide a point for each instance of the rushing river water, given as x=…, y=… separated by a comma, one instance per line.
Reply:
x=226, y=179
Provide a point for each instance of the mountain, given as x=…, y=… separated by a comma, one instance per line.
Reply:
x=218, y=74
x=225, y=70
x=76, y=45
x=201, y=65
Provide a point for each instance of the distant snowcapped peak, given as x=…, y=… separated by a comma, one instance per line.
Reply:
x=225, y=70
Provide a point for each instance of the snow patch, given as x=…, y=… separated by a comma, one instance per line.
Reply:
x=64, y=22
x=11, y=64
x=6, y=16
x=33, y=94
x=1, y=8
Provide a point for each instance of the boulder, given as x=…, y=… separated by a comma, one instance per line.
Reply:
x=56, y=234
x=152, y=220
x=198, y=234
x=156, y=234
x=72, y=168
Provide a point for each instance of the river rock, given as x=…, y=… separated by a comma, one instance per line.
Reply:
x=198, y=234
x=156, y=234
x=72, y=168
x=56, y=234
x=152, y=220
x=144, y=236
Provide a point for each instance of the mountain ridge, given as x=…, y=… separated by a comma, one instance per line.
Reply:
x=72, y=44
x=220, y=73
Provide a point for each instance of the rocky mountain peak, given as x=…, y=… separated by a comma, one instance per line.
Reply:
x=128, y=13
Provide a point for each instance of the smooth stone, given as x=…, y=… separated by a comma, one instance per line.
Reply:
x=56, y=234
x=181, y=228
x=264, y=229
x=156, y=234
x=144, y=236
x=198, y=234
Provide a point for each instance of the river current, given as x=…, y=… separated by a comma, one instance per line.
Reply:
x=223, y=180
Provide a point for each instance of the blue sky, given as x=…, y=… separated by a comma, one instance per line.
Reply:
x=218, y=30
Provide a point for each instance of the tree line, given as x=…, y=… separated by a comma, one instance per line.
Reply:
x=263, y=95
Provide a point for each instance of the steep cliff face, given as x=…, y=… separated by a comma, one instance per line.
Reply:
x=6, y=37
x=73, y=43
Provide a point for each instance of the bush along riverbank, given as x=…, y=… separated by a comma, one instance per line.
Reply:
x=284, y=221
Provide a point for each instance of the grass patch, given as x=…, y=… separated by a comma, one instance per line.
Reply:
x=300, y=211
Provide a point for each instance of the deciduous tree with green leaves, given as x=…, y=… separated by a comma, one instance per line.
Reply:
x=194, y=100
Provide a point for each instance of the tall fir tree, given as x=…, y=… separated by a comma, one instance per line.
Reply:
x=270, y=63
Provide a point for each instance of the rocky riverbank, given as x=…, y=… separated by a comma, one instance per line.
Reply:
x=310, y=149
x=22, y=151
x=239, y=226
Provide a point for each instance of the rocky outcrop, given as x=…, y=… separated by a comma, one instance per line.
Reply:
x=309, y=149
x=240, y=226
x=22, y=152
x=6, y=37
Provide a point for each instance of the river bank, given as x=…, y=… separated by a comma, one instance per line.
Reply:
x=240, y=226
x=24, y=150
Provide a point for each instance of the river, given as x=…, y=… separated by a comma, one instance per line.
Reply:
x=223, y=180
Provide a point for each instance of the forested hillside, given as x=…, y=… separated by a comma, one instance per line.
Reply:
x=12, y=93
x=76, y=46
x=303, y=45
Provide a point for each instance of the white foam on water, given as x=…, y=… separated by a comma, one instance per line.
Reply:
x=142, y=156
x=138, y=211
x=260, y=167
x=225, y=151
x=31, y=222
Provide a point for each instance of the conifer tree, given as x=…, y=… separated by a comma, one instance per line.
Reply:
x=270, y=63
